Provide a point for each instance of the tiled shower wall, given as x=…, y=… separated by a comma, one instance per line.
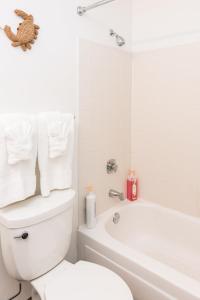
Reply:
x=105, y=112
x=165, y=126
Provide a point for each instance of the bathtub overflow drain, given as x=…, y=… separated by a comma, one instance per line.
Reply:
x=116, y=218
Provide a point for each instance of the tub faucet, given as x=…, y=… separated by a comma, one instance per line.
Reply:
x=116, y=194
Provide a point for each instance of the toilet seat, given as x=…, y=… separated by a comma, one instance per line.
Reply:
x=87, y=281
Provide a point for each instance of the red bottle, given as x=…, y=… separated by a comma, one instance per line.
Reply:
x=131, y=186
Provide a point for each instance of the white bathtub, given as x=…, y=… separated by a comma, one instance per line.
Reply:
x=156, y=250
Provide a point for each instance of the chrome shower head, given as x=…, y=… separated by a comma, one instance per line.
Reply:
x=119, y=39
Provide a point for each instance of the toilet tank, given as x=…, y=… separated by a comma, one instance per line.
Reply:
x=36, y=234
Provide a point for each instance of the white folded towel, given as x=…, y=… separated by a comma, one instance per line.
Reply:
x=18, y=152
x=58, y=132
x=18, y=136
x=55, y=151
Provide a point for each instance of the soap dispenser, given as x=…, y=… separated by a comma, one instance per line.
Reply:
x=90, y=208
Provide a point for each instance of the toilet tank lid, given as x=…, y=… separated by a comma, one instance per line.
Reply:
x=36, y=209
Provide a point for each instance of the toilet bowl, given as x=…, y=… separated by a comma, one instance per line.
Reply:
x=82, y=281
x=35, y=238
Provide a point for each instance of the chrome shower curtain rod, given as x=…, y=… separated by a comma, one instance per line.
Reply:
x=81, y=10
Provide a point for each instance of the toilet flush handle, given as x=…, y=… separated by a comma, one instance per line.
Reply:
x=23, y=236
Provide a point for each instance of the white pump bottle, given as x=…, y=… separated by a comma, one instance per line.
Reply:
x=90, y=208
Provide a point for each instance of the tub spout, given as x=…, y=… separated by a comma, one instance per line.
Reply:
x=116, y=194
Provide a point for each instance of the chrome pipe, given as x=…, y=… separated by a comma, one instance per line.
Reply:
x=81, y=10
x=115, y=194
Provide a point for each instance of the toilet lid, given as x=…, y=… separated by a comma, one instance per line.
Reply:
x=87, y=281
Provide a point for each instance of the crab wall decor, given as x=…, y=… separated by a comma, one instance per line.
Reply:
x=26, y=32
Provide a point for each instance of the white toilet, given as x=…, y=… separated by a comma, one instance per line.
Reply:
x=35, y=238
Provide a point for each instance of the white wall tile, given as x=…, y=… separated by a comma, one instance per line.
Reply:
x=165, y=126
x=105, y=111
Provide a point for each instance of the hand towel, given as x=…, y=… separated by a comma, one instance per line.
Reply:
x=58, y=132
x=17, y=162
x=55, y=151
x=18, y=136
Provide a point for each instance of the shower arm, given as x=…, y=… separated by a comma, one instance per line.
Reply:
x=81, y=10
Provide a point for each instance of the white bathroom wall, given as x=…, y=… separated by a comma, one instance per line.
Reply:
x=44, y=78
x=40, y=80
